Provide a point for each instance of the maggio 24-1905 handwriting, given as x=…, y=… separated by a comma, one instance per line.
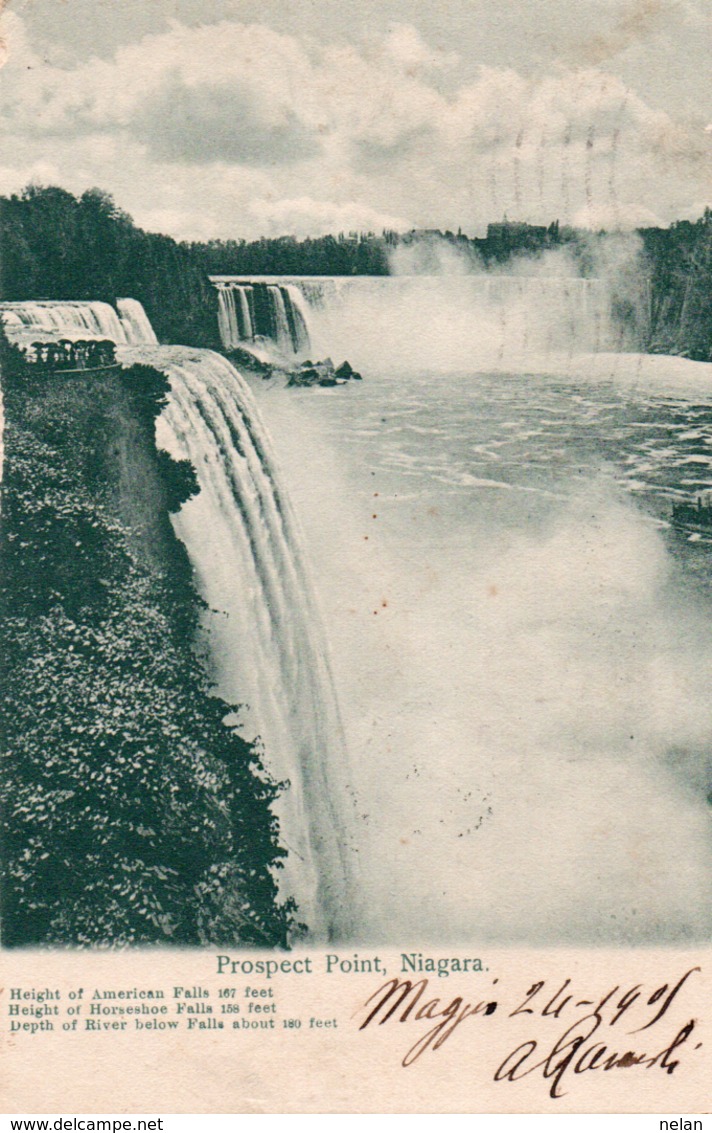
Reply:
x=597, y=1031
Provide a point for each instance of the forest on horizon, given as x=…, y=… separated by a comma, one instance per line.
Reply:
x=59, y=246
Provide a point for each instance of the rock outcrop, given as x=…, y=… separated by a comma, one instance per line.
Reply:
x=322, y=374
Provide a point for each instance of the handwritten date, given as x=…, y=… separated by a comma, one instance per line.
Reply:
x=597, y=1036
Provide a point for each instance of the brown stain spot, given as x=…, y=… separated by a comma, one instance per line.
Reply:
x=492, y=591
x=640, y=21
x=374, y=517
x=404, y=841
x=433, y=511
x=384, y=604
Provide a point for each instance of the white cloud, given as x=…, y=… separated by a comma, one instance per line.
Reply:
x=236, y=129
x=305, y=216
x=616, y=216
x=407, y=48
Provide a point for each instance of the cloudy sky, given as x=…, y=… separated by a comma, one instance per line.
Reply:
x=259, y=117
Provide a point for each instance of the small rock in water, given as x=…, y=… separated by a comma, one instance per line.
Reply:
x=347, y=372
x=304, y=377
x=254, y=359
x=322, y=374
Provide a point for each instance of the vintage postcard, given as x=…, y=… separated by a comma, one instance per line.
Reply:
x=356, y=557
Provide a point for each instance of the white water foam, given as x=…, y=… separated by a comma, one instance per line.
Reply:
x=436, y=322
x=522, y=670
x=135, y=322
x=66, y=318
x=265, y=637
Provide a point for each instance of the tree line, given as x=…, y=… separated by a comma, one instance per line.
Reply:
x=58, y=246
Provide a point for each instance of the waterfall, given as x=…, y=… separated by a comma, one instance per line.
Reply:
x=227, y=318
x=62, y=318
x=462, y=321
x=261, y=308
x=135, y=321
x=317, y=292
x=58, y=318
x=282, y=334
x=298, y=316
x=267, y=645
x=235, y=320
x=244, y=294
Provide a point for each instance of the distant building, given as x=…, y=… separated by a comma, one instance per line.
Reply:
x=510, y=235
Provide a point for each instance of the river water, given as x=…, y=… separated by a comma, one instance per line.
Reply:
x=521, y=648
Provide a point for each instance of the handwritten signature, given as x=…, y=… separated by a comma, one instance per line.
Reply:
x=596, y=1040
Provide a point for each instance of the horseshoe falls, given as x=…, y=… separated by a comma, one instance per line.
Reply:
x=262, y=309
x=439, y=321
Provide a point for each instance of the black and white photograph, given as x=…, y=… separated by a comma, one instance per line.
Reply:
x=356, y=528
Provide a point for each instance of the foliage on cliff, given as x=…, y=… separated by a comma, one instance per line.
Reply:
x=680, y=262
x=130, y=812
x=57, y=246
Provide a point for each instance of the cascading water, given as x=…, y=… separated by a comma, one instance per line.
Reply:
x=244, y=294
x=534, y=655
x=262, y=309
x=26, y=320
x=68, y=319
x=135, y=321
x=235, y=316
x=282, y=332
x=465, y=322
x=227, y=318
x=515, y=648
x=266, y=643
x=483, y=320
x=298, y=316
